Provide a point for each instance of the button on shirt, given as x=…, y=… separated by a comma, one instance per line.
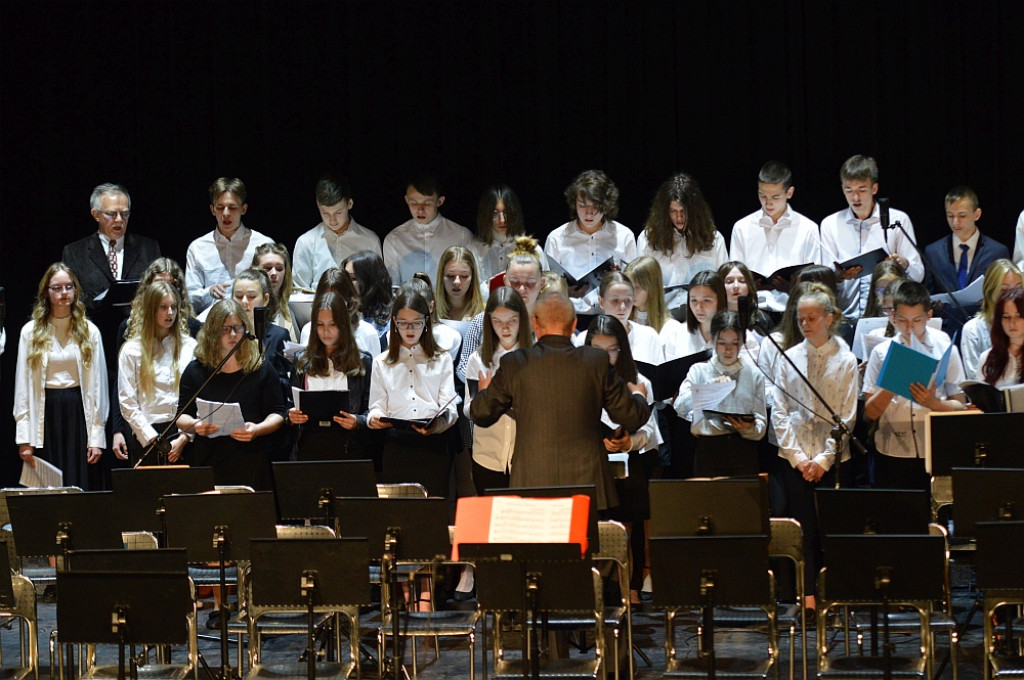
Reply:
x=679, y=266
x=118, y=249
x=579, y=252
x=142, y=410
x=320, y=249
x=214, y=258
x=844, y=236
x=413, y=247
x=413, y=387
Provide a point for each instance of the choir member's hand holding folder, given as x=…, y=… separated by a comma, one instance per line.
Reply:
x=991, y=399
x=779, y=279
x=866, y=262
x=585, y=282
x=421, y=425
x=320, y=407
x=904, y=367
x=120, y=294
x=668, y=376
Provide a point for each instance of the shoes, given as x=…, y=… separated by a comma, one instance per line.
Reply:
x=645, y=590
x=811, y=616
x=213, y=621
x=462, y=596
x=49, y=595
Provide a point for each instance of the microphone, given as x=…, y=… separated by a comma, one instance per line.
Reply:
x=883, y=213
x=259, y=315
x=743, y=309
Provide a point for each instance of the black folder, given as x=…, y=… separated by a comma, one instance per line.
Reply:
x=867, y=260
x=786, y=273
x=591, y=278
x=667, y=377
x=322, y=406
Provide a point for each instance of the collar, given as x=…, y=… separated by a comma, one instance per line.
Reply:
x=105, y=241
x=971, y=243
x=605, y=226
x=429, y=226
x=242, y=230
x=411, y=352
x=829, y=347
x=337, y=234
x=726, y=370
x=555, y=340
x=784, y=221
x=855, y=221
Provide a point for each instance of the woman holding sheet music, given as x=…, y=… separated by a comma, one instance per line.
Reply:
x=60, y=385
x=240, y=456
x=150, y=365
x=1003, y=364
x=412, y=395
x=332, y=362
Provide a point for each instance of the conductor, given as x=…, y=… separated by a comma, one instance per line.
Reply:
x=556, y=391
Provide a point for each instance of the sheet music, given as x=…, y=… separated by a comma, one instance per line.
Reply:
x=227, y=417
x=530, y=520
x=709, y=395
x=291, y=349
x=43, y=475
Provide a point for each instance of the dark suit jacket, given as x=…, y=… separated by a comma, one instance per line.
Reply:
x=87, y=259
x=944, y=266
x=556, y=392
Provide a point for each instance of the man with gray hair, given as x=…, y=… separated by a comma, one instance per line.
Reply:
x=111, y=254
x=557, y=391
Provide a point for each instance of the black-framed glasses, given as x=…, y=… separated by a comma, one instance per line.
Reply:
x=410, y=325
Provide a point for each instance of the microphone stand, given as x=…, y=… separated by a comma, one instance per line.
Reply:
x=161, y=444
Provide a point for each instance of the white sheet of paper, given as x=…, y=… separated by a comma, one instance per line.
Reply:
x=43, y=475
x=966, y=296
x=709, y=395
x=291, y=349
x=530, y=520
x=227, y=417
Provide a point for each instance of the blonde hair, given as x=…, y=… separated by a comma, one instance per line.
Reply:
x=161, y=265
x=525, y=253
x=41, y=339
x=645, y=273
x=278, y=301
x=550, y=282
x=209, y=350
x=992, y=286
x=820, y=294
x=144, y=311
x=475, y=300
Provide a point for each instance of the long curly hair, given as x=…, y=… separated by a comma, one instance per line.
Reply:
x=40, y=342
x=699, y=234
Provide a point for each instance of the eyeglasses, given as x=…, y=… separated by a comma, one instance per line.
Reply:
x=529, y=284
x=410, y=325
x=505, y=323
x=233, y=330
x=112, y=215
x=66, y=288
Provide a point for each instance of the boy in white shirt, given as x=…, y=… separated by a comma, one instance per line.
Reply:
x=901, y=421
x=775, y=236
x=858, y=230
x=337, y=236
x=417, y=244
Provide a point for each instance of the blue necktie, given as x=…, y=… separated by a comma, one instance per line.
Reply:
x=961, y=270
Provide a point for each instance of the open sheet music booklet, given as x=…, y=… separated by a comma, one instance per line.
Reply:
x=514, y=519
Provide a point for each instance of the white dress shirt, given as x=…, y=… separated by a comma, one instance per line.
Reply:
x=801, y=434
x=673, y=339
x=679, y=266
x=118, y=249
x=579, y=252
x=1009, y=376
x=413, y=387
x=214, y=258
x=492, y=446
x=159, y=407
x=648, y=437
x=413, y=247
x=320, y=249
x=333, y=381
x=844, y=236
x=492, y=259
x=975, y=338
x=901, y=426
x=746, y=397
x=644, y=343
x=30, y=390
x=766, y=247
x=1018, y=245
x=972, y=248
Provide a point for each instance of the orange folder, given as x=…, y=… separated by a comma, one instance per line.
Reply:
x=515, y=519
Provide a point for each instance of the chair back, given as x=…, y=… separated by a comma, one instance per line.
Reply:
x=401, y=490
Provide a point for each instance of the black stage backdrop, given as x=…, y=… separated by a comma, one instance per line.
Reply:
x=166, y=96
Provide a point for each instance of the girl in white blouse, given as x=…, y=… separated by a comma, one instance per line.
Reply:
x=149, y=368
x=414, y=381
x=803, y=425
x=649, y=306
x=615, y=297
x=680, y=234
x=457, y=289
x=726, y=445
x=707, y=297
x=60, y=385
x=1001, y=275
x=1003, y=363
x=273, y=259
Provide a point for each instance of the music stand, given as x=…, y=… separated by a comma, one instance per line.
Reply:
x=707, y=572
x=719, y=507
x=975, y=439
x=7, y=598
x=998, y=570
x=308, y=490
x=884, y=569
x=873, y=511
x=986, y=494
x=137, y=492
x=230, y=520
x=593, y=535
x=396, y=529
x=57, y=523
x=311, y=573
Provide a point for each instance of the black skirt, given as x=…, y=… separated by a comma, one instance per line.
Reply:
x=329, y=443
x=66, y=436
x=727, y=455
x=413, y=457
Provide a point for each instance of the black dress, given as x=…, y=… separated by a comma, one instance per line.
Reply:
x=258, y=394
x=333, y=442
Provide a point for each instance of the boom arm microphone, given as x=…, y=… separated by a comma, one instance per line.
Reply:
x=883, y=213
x=743, y=310
x=259, y=316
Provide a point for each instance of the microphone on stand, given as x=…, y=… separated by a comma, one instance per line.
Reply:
x=259, y=315
x=743, y=309
x=883, y=213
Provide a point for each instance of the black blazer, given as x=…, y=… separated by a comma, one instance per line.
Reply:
x=944, y=266
x=90, y=264
x=557, y=391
